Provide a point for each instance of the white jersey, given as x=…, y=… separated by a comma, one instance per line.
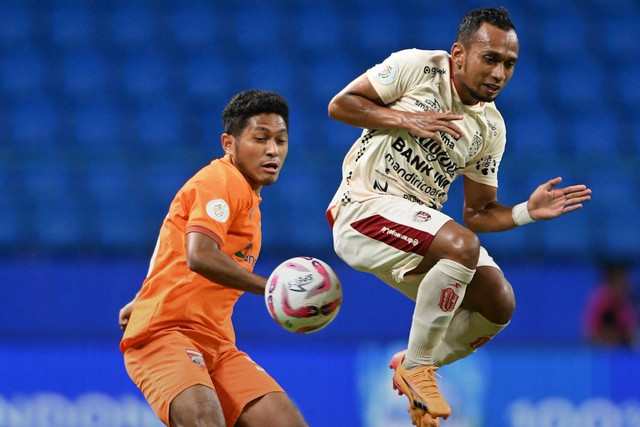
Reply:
x=395, y=162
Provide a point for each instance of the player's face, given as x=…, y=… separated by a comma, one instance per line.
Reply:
x=486, y=64
x=260, y=149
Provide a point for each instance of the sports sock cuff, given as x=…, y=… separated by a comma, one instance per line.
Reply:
x=455, y=270
x=479, y=321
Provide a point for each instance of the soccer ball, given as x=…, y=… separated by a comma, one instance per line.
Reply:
x=303, y=294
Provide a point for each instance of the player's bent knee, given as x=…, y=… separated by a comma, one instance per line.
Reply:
x=457, y=243
x=271, y=409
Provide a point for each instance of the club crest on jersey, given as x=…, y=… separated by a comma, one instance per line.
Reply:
x=218, y=210
x=196, y=357
x=386, y=72
x=421, y=216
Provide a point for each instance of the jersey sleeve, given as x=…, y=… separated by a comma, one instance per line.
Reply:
x=397, y=74
x=484, y=167
x=211, y=205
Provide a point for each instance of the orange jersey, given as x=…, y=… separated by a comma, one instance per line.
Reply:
x=219, y=202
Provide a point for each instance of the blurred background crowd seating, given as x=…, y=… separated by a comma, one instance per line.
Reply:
x=107, y=107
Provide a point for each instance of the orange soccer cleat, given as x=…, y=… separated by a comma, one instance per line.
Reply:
x=426, y=404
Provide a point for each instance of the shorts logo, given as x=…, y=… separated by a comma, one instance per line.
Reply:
x=421, y=216
x=196, y=357
x=218, y=209
x=448, y=299
x=386, y=72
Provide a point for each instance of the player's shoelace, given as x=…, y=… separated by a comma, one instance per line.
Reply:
x=424, y=379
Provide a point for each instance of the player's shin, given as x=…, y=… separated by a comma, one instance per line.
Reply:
x=468, y=331
x=439, y=295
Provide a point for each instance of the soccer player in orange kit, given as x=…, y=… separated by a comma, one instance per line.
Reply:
x=179, y=343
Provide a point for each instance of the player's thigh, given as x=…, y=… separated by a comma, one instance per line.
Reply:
x=238, y=381
x=489, y=292
x=164, y=366
x=386, y=236
x=198, y=405
x=273, y=409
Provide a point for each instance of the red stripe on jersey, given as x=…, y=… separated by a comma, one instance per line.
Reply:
x=399, y=236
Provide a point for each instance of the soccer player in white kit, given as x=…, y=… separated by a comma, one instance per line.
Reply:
x=428, y=116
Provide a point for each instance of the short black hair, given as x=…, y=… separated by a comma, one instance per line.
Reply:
x=474, y=19
x=249, y=103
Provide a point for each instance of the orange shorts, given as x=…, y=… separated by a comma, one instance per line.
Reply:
x=171, y=361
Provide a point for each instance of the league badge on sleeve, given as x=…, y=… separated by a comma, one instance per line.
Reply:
x=386, y=72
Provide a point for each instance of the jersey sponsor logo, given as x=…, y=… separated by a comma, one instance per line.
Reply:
x=218, y=210
x=414, y=180
x=448, y=299
x=421, y=216
x=386, y=72
x=434, y=70
x=429, y=104
x=246, y=256
x=380, y=187
x=399, y=236
x=196, y=357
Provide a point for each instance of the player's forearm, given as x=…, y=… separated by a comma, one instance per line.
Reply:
x=492, y=217
x=220, y=269
x=358, y=111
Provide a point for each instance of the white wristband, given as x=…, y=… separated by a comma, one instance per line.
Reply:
x=520, y=214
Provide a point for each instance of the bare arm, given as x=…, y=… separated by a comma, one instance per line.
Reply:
x=205, y=257
x=483, y=213
x=359, y=105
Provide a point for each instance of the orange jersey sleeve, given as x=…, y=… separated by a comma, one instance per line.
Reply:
x=219, y=202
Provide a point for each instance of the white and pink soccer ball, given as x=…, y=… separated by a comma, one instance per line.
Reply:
x=303, y=294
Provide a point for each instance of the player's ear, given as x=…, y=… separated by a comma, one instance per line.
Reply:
x=457, y=54
x=227, y=143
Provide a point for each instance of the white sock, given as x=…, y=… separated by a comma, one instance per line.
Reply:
x=467, y=331
x=439, y=295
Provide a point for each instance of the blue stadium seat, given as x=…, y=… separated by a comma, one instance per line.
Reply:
x=132, y=25
x=117, y=211
x=23, y=73
x=72, y=24
x=271, y=72
x=436, y=30
x=165, y=179
x=84, y=75
x=580, y=85
x=563, y=36
x=146, y=76
x=621, y=36
x=329, y=74
x=532, y=131
x=58, y=225
x=34, y=124
x=256, y=14
x=208, y=77
x=16, y=22
x=194, y=25
x=320, y=28
x=626, y=85
x=620, y=230
x=160, y=126
x=10, y=214
x=97, y=126
x=596, y=132
x=375, y=42
x=570, y=235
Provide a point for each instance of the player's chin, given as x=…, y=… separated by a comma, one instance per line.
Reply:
x=269, y=179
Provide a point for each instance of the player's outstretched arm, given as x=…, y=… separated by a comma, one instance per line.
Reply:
x=547, y=202
x=359, y=105
x=205, y=257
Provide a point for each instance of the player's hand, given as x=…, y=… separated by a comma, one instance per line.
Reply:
x=547, y=202
x=427, y=124
x=125, y=313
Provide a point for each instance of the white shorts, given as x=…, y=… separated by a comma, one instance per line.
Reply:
x=388, y=237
